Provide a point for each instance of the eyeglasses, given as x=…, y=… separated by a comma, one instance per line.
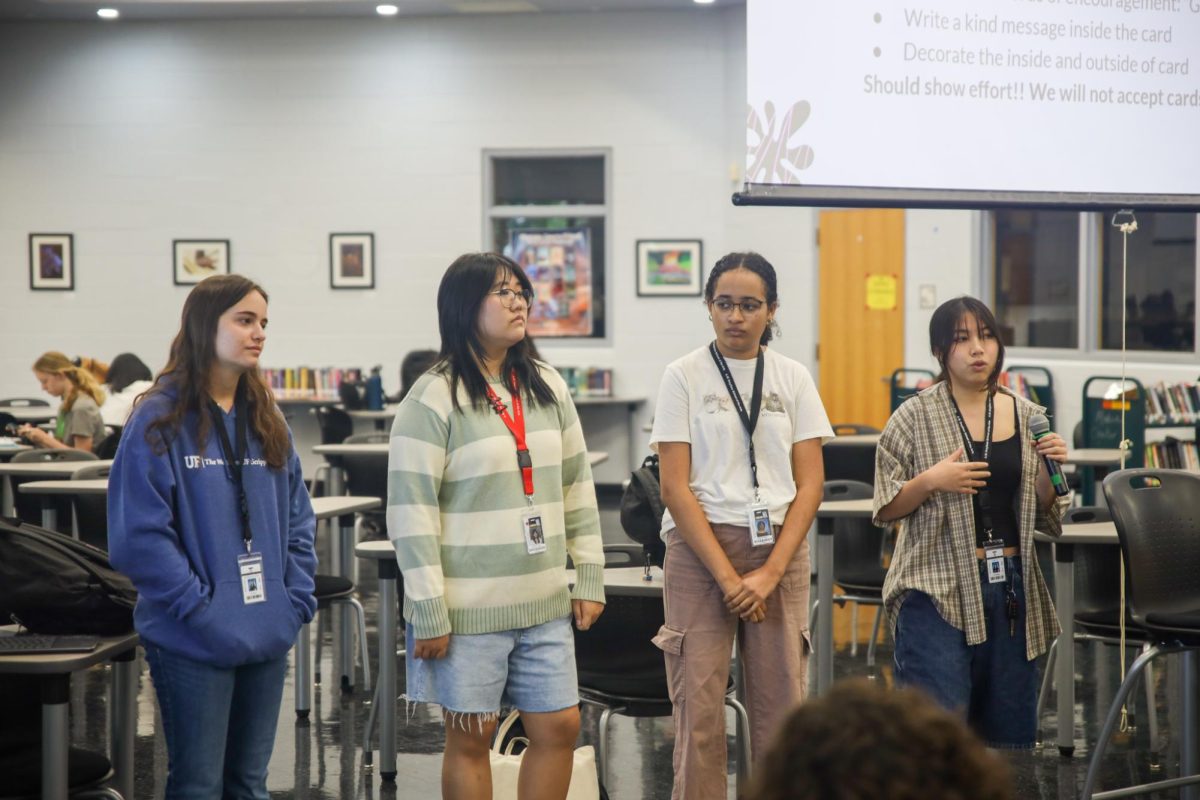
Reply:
x=509, y=298
x=748, y=307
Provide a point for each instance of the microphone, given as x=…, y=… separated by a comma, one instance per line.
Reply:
x=1039, y=426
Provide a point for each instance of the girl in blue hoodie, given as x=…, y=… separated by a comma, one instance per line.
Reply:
x=209, y=517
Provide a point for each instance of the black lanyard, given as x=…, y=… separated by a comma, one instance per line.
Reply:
x=983, y=500
x=235, y=461
x=749, y=420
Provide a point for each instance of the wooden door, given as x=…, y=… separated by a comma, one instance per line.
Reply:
x=861, y=331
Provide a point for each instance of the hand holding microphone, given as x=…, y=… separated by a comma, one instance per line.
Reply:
x=1052, y=449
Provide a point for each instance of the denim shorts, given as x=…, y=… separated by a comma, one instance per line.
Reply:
x=991, y=683
x=532, y=669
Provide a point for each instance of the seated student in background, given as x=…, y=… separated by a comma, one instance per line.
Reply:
x=128, y=377
x=414, y=365
x=79, y=424
x=96, y=367
x=860, y=741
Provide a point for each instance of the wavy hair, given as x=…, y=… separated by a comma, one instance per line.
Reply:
x=462, y=292
x=191, y=361
x=81, y=380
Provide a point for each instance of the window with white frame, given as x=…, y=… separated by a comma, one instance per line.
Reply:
x=548, y=211
x=1046, y=265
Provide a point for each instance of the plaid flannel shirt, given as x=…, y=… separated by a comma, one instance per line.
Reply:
x=935, y=549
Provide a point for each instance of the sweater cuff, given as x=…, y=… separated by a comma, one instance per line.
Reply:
x=589, y=583
x=430, y=619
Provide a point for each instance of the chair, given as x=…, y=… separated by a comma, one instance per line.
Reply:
x=107, y=449
x=852, y=429
x=53, y=454
x=331, y=590
x=857, y=560
x=1155, y=511
x=1098, y=612
x=850, y=461
x=91, y=510
x=335, y=426
x=622, y=672
x=20, y=748
x=23, y=402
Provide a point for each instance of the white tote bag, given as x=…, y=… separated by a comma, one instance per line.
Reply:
x=506, y=767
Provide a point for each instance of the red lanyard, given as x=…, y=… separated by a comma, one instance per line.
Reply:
x=516, y=426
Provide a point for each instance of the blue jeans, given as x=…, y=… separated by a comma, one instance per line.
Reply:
x=219, y=724
x=992, y=683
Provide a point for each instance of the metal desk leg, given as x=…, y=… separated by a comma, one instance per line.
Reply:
x=337, y=566
x=825, y=610
x=49, y=512
x=389, y=572
x=1189, y=737
x=303, y=673
x=7, y=504
x=345, y=643
x=55, y=691
x=1064, y=597
x=123, y=720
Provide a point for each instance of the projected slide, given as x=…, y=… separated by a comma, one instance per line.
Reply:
x=1096, y=96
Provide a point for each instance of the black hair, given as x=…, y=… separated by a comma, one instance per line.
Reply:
x=126, y=369
x=462, y=292
x=759, y=266
x=944, y=324
x=415, y=364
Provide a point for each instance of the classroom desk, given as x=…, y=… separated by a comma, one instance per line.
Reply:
x=54, y=674
x=1083, y=534
x=49, y=489
x=383, y=448
x=10, y=448
x=827, y=512
x=31, y=414
x=1095, y=457
x=383, y=553
x=854, y=439
x=48, y=470
x=381, y=416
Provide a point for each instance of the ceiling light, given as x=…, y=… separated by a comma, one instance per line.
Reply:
x=108, y=13
x=387, y=10
x=704, y=2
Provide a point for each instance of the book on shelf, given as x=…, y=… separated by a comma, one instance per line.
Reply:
x=1173, y=404
x=308, y=382
x=1020, y=386
x=1172, y=453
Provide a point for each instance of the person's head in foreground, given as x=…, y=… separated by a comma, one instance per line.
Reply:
x=861, y=741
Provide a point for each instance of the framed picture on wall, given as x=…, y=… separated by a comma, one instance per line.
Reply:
x=52, y=261
x=352, y=260
x=559, y=265
x=669, y=267
x=197, y=259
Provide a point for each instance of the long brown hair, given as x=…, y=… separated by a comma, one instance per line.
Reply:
x=81, y=380
x=193, y=354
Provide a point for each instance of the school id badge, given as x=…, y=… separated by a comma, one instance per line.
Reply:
x=761, y=532
x=534, y=533
x=250, y=568
x=993, y=552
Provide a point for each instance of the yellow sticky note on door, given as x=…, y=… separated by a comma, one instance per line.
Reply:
x=881, y=292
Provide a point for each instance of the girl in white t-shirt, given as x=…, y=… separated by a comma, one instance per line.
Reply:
x=737, y=515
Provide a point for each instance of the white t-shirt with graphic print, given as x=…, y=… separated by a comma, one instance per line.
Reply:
x=694, y=406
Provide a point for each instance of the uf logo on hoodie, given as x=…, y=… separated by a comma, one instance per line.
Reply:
x=193, y=462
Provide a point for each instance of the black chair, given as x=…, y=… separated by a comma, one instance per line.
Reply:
x=335, y=425
x=23, y=402
x=21, y=753
x=621, y=671
x=858, y=548
x=1097, y=569
x=1156, y=513
x=91, y=510
x=850, y=461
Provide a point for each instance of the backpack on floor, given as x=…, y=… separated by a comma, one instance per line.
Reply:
x=54, y=584
x=642, y=510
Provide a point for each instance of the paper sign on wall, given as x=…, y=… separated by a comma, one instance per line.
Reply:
x=881, y=292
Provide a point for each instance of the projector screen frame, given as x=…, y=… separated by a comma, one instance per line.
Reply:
x=777, y=194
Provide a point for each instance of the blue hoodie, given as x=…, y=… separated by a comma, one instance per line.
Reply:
x=174, y=529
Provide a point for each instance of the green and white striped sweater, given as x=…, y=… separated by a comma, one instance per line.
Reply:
x=454, y=509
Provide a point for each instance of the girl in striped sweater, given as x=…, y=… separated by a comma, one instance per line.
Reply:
x=489, y=489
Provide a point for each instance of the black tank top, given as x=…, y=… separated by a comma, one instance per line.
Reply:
x=1004, y=489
